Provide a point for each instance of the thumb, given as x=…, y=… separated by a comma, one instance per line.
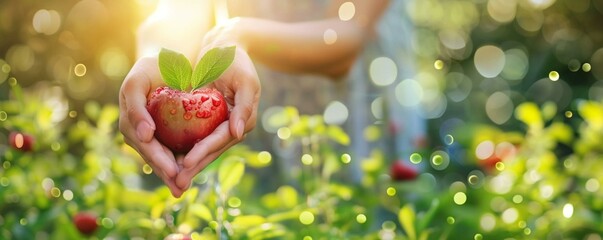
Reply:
x=243, y=114
x=133, y=95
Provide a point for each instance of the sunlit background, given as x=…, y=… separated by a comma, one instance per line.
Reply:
x=512, y=92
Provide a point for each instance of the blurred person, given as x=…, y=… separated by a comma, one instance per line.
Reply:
x=295, y=47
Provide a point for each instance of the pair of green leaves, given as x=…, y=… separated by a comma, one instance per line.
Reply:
x=177, y=72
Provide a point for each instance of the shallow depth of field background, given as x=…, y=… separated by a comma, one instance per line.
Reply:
x=512, y=91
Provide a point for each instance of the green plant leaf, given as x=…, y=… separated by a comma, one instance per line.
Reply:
x=230, y=172
x=406, y=216
x=201, y=211
x=529, y=113
x=338, y=135
x=244, y=222
x=428, y=216
x=212, y=65
x=175, y=69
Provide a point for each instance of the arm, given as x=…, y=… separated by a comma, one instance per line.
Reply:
x=301, y=47
x=291, y=47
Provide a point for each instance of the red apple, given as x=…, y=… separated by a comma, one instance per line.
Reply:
x=20, y=141
x=184, y=118
x=85, y=223
x=402, y=172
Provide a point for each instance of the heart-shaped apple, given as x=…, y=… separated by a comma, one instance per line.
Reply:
x=184, y=113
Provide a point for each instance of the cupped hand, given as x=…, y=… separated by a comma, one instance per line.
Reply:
x=241, y=88
x=138, y=127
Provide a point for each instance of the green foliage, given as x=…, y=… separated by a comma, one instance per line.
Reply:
x=81, y=164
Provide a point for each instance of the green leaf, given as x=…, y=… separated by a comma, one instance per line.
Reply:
x=406, y=216
x=529, y=113
x=201, y=211
x=230, y=172
x=175, y=69
x=244, y=222
x=338, y=135
x=428, y=216
x=212, y=65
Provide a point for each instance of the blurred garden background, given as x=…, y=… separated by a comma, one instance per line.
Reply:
x=512, y=91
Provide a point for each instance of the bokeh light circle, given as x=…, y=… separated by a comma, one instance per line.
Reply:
x=440, y=160
x=306, y=217
x=452, y=40
x=586, y=67
x=529, y=20
x=484, y=149
x=502, y=11
x=476, y=178
x=3, y=116
x=415, y=158
x=489, y=61
x=499, y=108
x=347, y=10
x=596, y=60
x=383, y=71
x=592, y=185
x=336, y=113
x=330, y=36
x=460, y=198
x=390, y=191
x=409, y=92
x=510, y=215
x=458, y=86
x=554, y=75
x=307, y=159
x=487, y=222
x=346, y=158
x=361, y=218
x=46, y=21
x=450, y=220
x=573, y=65
x=516, y=64
x=79, y=70
x=595, y=92
x=377, y=107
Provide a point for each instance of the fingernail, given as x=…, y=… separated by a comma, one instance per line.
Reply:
x=142, y=131
x=240, y=129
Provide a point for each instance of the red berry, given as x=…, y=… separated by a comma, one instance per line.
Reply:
x=85, y=223
x=401, y=172
x=184, y=118
x=20, y=141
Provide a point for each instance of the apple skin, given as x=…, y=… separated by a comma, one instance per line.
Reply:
x=184, y=118
x=401, y=172
x=85, y=223
x=21, y=141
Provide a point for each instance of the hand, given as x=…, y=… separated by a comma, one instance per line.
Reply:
x=241, y=89
x=137, y=125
